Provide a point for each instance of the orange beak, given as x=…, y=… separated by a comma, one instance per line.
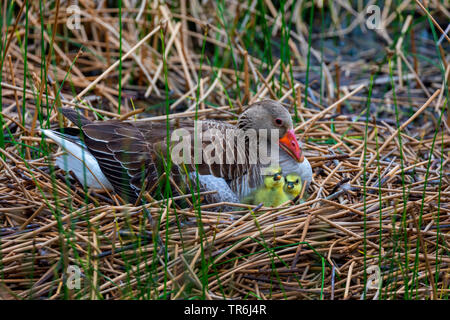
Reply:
x=289, y=144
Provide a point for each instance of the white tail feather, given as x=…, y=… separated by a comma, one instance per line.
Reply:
x=80, y=161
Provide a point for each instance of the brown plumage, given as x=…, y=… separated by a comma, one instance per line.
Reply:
x=133, y=154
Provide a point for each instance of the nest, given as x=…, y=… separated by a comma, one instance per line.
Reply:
x=374, y=223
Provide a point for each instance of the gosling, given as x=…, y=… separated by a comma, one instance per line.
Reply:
x=271, y=194
x=292, y=186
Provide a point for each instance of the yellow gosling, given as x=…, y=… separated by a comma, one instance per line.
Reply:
x=271, y=194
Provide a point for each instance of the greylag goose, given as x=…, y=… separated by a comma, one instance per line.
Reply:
x=125, y=156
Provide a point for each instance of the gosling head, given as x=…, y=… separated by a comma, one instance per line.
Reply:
x=293, y=184
x=273, y=177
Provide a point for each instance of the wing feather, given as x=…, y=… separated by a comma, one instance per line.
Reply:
x=123, y=155
x=129, y=153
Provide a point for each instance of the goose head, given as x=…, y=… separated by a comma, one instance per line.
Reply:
x=271, y=115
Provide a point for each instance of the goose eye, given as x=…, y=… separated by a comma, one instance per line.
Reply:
x=278, y=121
x=296, y=181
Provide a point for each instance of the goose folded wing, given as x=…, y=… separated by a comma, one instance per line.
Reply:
x=124, y=156
x=214, y=150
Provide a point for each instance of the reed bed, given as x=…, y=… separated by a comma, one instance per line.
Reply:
x=370, y=107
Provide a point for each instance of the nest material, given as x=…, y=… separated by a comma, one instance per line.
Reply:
x=380, y=196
